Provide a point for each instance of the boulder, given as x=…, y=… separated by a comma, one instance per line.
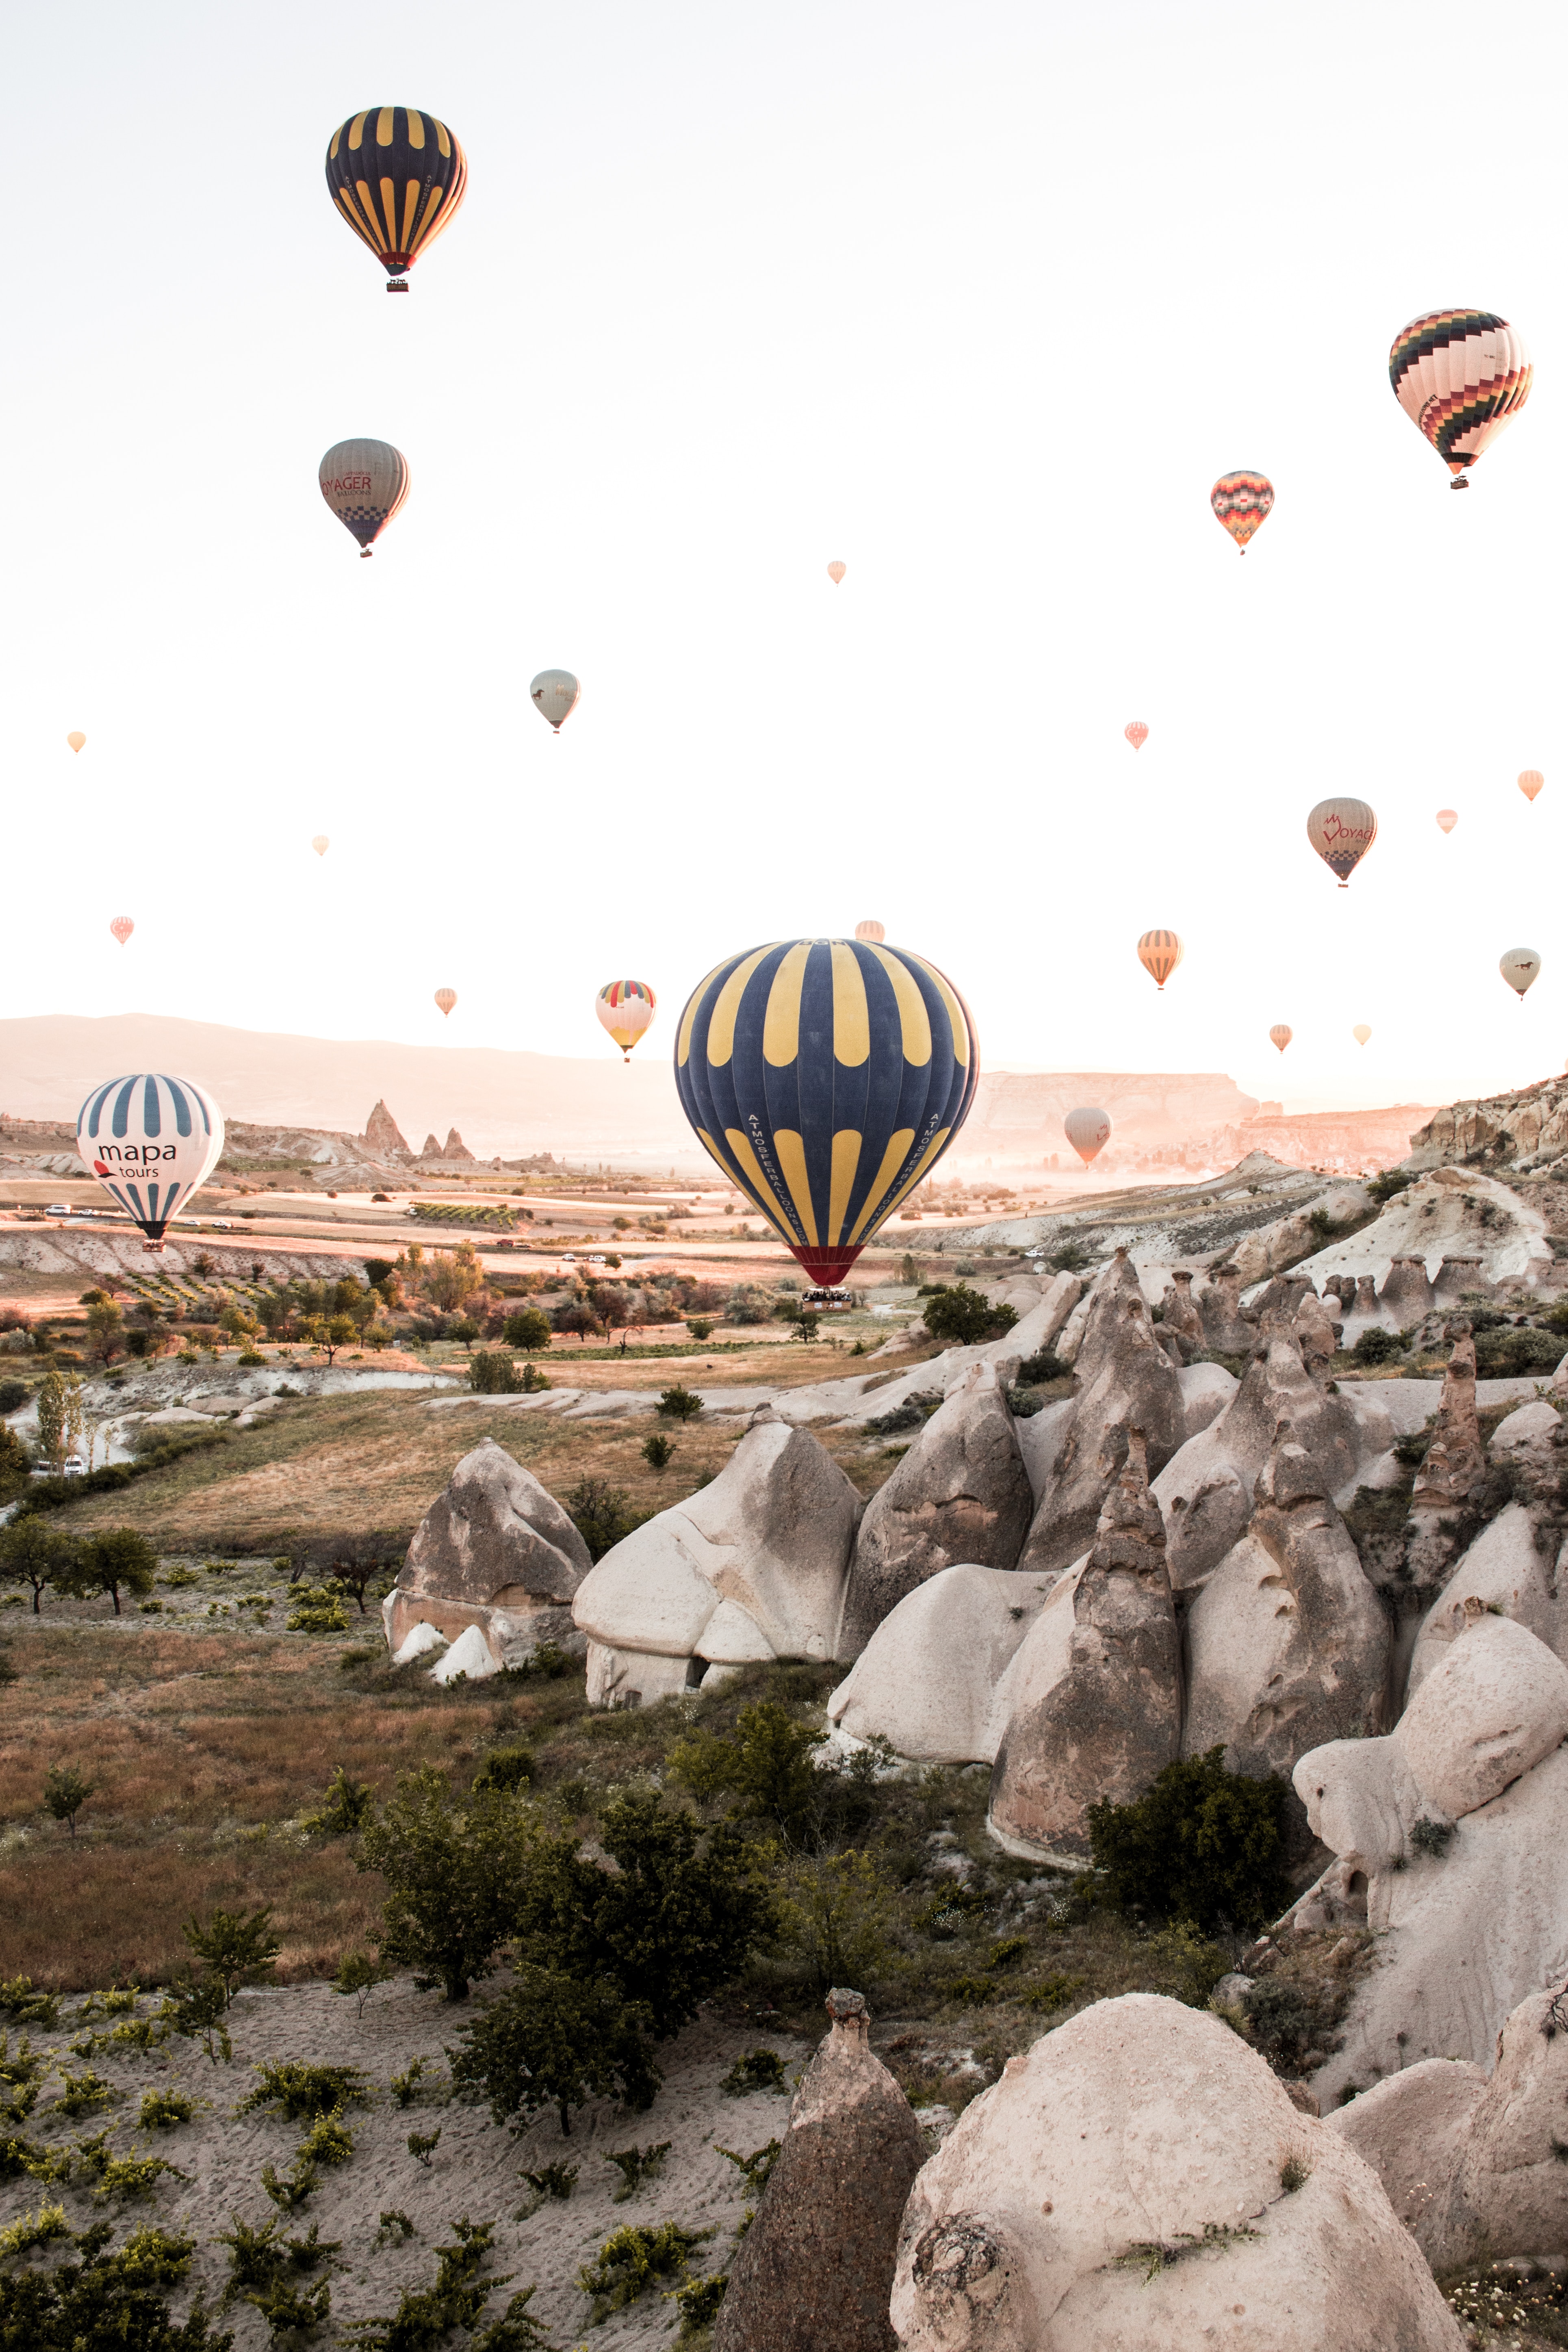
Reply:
x=927, y=1680
x=1125, y=2184
x=1288, y=1645
x=1038, y=1329
x=625, y=1678
x=815, y=2270
x=1529, y=1427
x=959, y=1494
x=1096, y=1707
x=1494, y=1705
x=494, y=1550
x=1502, y=1574
x=1207, y=1390
x=1226, y=1329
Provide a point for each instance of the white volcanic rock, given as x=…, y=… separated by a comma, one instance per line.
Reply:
x=1494, y=1705
x=927, y=1680
x=495, y=1552
x=469, y=1657
x=1533, y=1426
x=1504, y=1574
x=1451, y=1211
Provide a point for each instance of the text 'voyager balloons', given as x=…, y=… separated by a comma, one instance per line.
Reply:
x=1447, y=819
x=1280, y=1035
x=1521, y=967
x=122, y=927
x=1530, y=781
x=625, y=1008
x=150, y=1141
x=1461, y=377
x=364, y=483
x=835, y=571
x=446, y=998
x=321, y=842
x=1360, y=1033
x=1342, y=831
x=1137, y=734
x=826, y=1077
x=76, y=738
x=398, y=176
x=554, y=693
x=869, y=930
x=1160, y=952
x=1242, y=503
x=1089, y=1132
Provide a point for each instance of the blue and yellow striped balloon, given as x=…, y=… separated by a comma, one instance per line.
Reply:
x=826, y=1077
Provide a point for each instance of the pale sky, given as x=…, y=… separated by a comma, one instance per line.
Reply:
x=980, y=300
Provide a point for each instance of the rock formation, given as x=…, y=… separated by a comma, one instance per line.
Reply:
x=1182, y=1318
x=1450, y=1210
x=496, y=1550
x=1407, y=1293
x=1317, y=1335
x=1456, y=1278
x=455, y=1148
x=961, y=1493
x=1453, y=1468
x=1503, y=1574
x=816, y=2268
x=1094, y=1695
x=1058, y=2210
x=381, y=1138
x=930, y=1678
x=1226, y=1329
x=431, y=1147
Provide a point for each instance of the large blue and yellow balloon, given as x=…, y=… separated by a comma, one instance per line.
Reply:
x=826, y=1077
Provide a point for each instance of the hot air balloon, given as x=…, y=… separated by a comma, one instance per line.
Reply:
x=826, y=1077
x=364, y=483
x=398, y=176
x=874, y=932
x=1137, y=734
x=1519, y=967
x=150, y=1141
x=1360, y=1033
x=1280, y=1035
x=1089, y=1132
x=1530, y=781
x=1160, y=952
x=122, y=927
x=835, y=571
x=1242, y=503
x=554, y=693
x=1461, y=376
x=625, y=1008
x=1342, y=831
x=1447, y=819
x=76, y=738
x=446, y=998
x=321, y=842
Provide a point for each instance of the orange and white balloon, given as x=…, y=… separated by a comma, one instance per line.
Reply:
x=446, y=998
x=76, y=738
x=1530, y=781
x=1362, y=1032
x=122, y=927
x=874, y=932
x=1280, y=1035
x=1160, y=952
x=835, y=571
x=1447, y=819
x=1137, y=734
x=1521, y=967
x=321, y=842
x=625, y=1008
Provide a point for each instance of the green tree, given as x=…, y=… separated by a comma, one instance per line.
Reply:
x=451, y=1871
x=658, y=1452
x=274, y=1308
x=234, y=1947
x=120, y=1558
x=527, y=1328
x=493, y=1372
x=769, y=1763
x=238, y=1322
x=1203, y=1844
x=33, y=1553
x=452, y=1277
x=65, y=1791
x=964, y=1318
x=747, y=1302
x=551, y=2041
x=105, y=1329
x=14, y=1463
x=466, y=1329
x=601, y=1513
x=677, y=1403
x=836, y=1911
x=60, y=1416
x=579, y=1316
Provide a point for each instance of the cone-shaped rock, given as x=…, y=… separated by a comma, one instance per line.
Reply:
x=381, y=1138
x=816, y=2268
x=1317, y=1334
x=455, y=1148
x=494, y=1549
x=1454, y=1467
x=1226, y=1329
x=1407, y=1293
x=1182, y=1318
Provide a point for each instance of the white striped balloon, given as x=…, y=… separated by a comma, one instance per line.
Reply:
x=150, y=1141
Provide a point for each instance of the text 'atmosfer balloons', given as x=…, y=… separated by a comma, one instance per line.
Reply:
x=1137, y=734
x=1242, y=504
x=1160, y=952
x=150, y=1141
x=1447, y=819
x=625, y=1008
x=364, y=483
x=1089, y=1132
x=826, y=1077
x=1530, y=781
x=396, y=175
x=1280, y=1035
x=1461, y=377
x=446, y=998
x=1342, y=831
x=554, y=693
x=1521, y=967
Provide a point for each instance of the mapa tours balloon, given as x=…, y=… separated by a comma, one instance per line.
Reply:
x=122, y=927
x=150, y=1141
x=446, y=998
x=1360, y=1033
x=1342, y=831
x=1137, y=734
x=1280, y=1035
x=625, y=1008
x=76, y=738
x=1242, y=503
x=555, y=692
x=1530, y=781
x=321, y=842
x=868, y=930
x=1519, y=967
x=1089, y=1132
x=398, y=176
x=1160, y=952
x=1461, y=376
x=835, y=571
x=364, y=483
x=1447, y=819
x=826, y=1077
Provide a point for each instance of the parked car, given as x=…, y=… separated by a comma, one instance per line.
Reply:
x=57, y=1209
x=74, y=1466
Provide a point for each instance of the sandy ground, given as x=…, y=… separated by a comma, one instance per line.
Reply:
x=474, y=2171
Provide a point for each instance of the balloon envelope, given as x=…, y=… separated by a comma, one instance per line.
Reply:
x=836, y=571
x=446, y=998
x=1342, y=831
x=1530, y=781
x=398, y=176
x=1280, y=1035
x=1447, y=819
x=555, y=693
x=76, y=738
x=625, y=1008
x=364, y=483
x=1242, y=503
x=1160, y=952
x=320, y=844
x=1089, y=1132
x=1137, y=734
x=150, y=1141
x=826, y=1077
x=1360, y=1033
x=1461, y=377
x=870, y=931
x=1521, y=967
x=122, y=927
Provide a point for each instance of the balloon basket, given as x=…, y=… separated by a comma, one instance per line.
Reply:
x=1460, y=482
x=366, y=553
x=397, y=284
x=153, y=1249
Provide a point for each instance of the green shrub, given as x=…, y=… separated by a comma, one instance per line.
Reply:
x=345, y=1808
x=1046, y=1365
x=527, y=1328
x=636, y=2165
x=452, y=1874
x=358, y=1976
x=632, y=2258
x=1376, y=1346
x=658, y=1452
x=235, y=1947
x=493, y=1372
x=82, y=2093
x=164, y=2110
x=422, y=2146
x=300, y=2092
x=964, y=1318
x=552, y=2041
x=758, y=2070
x=1392, y=1181
x=557, y=2180
x=677, y=1403
x=65, y=1791
x=835, y=1914
x=1205, y=1845
x=697, y=2302
x=426, y=2316
x=105, y=2299
x=316, y=1609
x=768, y=1763
x=506, y=1769
x=1517, y=1349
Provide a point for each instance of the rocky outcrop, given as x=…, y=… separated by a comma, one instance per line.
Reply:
x=961, y=1493
x=494, y=1550
x=1452, y=1470
x=814, y=2269
x=929, y=1679
x=1528, y=1125
x=1226, y=1329
x=1056, y=2212
x=1094, y=1696
x=1457, y=1278
x=455, y=1148
x=1407, y=1293
x=431, y=1147
x=1495, y=1704
x=1503, y=1574
x=1317, y=1334
x=383, y=1139
x=1181, y=1317
x=1451, y=1210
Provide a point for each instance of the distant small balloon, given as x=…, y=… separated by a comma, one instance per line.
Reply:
x=364, y=482
x=446, y=998
x=1160, y=952
x=1242, y=503
x=1529, y=783
x=836, y=571
x=1280, y=1035
x=554, y=693
x=122, y=927
x=1342, y=831
x=1521, y=967
x=1089, y=1132
x=76, y=738
x=1360, y=1033
x=321, y=842
x=875, y=933
x=1137, y=734
x=1447, y=819
x=625, y=1008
